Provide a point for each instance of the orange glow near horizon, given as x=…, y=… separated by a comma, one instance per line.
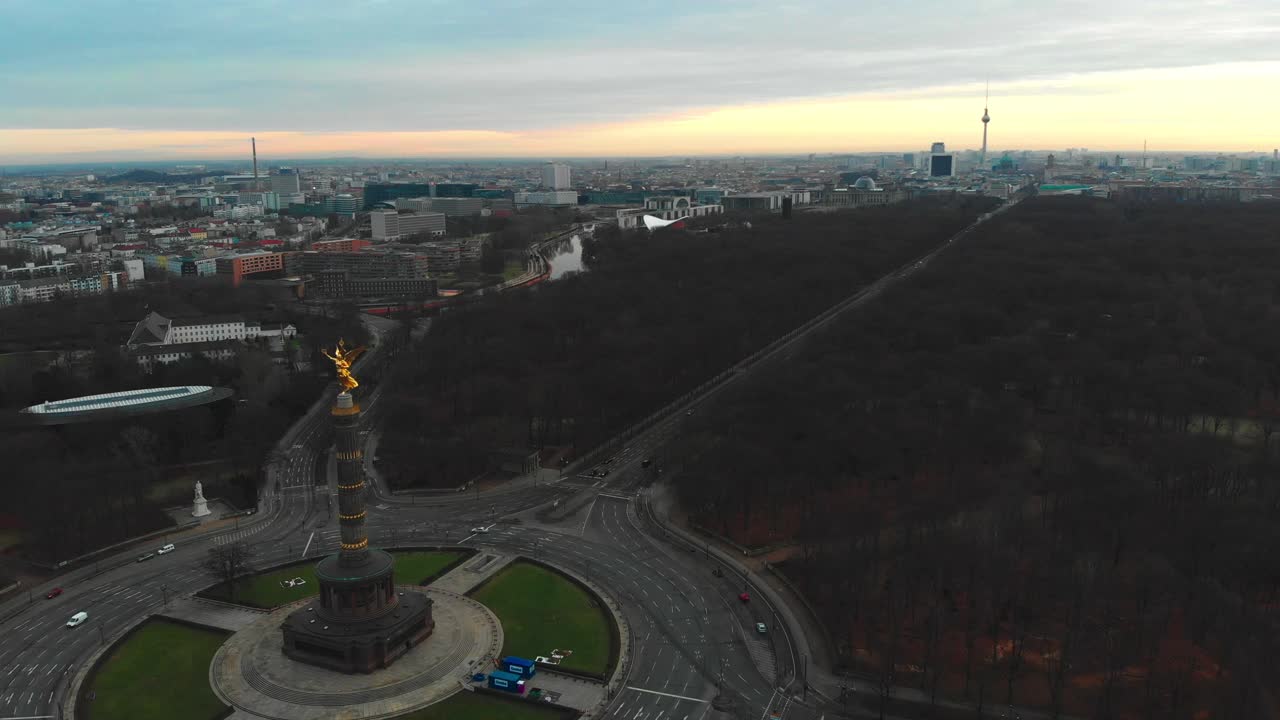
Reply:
x=1213, y=107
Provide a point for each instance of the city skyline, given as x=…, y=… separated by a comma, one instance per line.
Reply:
x=524, y=81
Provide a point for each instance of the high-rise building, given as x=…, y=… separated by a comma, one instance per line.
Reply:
x=286, y=181
x=555, y=176
x=942, y=165
x=938, y=148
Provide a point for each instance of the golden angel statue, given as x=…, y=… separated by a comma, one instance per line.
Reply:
x=342, y=359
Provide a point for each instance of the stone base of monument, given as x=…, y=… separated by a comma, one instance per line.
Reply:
x=182, y=514
x=360, y=621
x=252, y=674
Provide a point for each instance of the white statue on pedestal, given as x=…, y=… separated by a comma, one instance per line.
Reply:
x=201, y=506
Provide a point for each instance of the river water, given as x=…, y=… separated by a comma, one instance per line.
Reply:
x=567, y=258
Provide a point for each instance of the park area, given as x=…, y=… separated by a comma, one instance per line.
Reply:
x=295, y=582
x=478, y=706
x=542, y=611
x=161, y=671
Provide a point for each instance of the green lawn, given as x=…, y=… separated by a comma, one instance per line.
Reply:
x=416, y=567
x=513, y=270
x=161, y=672
x=265, y=590
x=477, y=706
x=542, y=611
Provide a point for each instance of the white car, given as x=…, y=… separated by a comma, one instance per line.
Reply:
x=166, y=549
x=78, y=619
x=481, y=529
x=760, y=628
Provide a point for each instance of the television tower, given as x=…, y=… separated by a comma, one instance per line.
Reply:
x=986, y=118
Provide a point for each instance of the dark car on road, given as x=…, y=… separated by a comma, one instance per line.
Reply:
x=53, y=593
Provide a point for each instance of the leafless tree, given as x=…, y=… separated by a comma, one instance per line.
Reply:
x=229, y=562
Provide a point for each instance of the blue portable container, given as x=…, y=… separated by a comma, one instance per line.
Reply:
x=499, y=680
x=519, y=666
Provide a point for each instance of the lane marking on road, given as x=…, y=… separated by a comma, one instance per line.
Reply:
x=28, y=717
x=583, y=529
x=670, y=695
x=308, y=545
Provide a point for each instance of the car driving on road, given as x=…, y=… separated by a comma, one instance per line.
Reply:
x=53, y=593
x=145, y=556
x=77, y=619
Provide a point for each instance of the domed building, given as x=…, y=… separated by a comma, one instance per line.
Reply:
x=864, y=183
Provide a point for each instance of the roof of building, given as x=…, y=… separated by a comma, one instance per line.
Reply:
x=128, y=402
x=151, y=329
x=206, y=320
x=185, y=348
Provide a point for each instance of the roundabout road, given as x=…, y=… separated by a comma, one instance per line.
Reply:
x=690, y=634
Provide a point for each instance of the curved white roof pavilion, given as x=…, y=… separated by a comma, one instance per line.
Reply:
x=127, y=402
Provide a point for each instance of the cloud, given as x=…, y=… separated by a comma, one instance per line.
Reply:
x=1098, y=110
x=530, y=68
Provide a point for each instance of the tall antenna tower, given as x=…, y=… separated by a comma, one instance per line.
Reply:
x=253, y=142
x=986, y=118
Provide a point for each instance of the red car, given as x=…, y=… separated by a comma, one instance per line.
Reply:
x=745, y=597
x=53, y=593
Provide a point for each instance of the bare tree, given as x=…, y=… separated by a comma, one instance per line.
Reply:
x=228, y=562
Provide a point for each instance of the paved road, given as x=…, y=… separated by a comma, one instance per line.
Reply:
x=693, y=639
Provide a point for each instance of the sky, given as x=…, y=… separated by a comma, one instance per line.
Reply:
x=141, y=80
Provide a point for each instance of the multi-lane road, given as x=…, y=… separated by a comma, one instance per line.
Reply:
x=692, y=640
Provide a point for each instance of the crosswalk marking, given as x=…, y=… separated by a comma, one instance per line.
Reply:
x=762, y=655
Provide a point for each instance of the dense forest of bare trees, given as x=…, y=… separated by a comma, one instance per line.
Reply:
x=1042, y=471
x=579, y=359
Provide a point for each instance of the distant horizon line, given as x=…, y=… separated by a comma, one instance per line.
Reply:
x=447, y=159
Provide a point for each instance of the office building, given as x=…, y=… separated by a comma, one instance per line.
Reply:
x=370, y=263
x=938, y=148
x=552, y=198
x=765, y=201
x=341, y=245
x=287, y=181
x=942, y=165
x=344, y=284
x=392, y=225
x=450, y=206
x=453, y=190
x=555, y=176
x=375, y=193
x=238, y=266
x=665, y=207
